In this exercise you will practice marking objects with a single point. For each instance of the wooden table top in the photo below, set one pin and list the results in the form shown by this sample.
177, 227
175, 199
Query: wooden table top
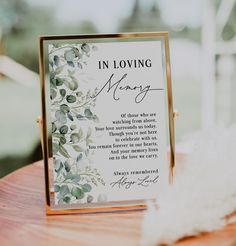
23, 220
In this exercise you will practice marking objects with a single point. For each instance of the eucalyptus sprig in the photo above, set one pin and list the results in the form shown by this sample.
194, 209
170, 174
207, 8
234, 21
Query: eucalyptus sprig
70, 105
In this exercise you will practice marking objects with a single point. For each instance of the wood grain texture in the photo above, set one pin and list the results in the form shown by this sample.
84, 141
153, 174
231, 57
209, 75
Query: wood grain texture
23, 220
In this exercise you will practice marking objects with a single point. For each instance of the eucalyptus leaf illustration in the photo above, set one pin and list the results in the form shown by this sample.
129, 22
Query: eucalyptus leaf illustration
89, 199
80, 133
64, 108
78, 148
70, 99
60, 116
73, 84
79, 93
56, 188
71, 63
77, 192
64, 190
55, 45
76, 179
63, 129
54, 127
79, 65
66, 199
79, 117
88, 141
53, 83
85, 47
69, 55
55, 148
94, 48
53, 94
63, 151
75, 137
67, 166
58, 165
59, 81
77, 53
73, 127
51, 64
86, 188
95, 118
89, 132
58, 70
62, 140
69, 175
79, 158
60, 200
57, 135
70, 72
56, 60
70, 117
62, 92
88, 113
87, 150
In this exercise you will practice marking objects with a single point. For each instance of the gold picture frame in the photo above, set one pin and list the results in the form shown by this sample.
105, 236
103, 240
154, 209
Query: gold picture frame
51, 209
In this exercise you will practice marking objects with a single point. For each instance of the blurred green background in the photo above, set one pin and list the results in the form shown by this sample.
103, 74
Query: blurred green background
22, 21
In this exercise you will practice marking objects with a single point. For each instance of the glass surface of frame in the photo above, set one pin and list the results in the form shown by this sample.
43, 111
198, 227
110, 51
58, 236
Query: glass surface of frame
107, 120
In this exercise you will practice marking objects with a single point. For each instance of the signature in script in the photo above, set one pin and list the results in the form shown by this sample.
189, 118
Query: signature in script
124, 182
